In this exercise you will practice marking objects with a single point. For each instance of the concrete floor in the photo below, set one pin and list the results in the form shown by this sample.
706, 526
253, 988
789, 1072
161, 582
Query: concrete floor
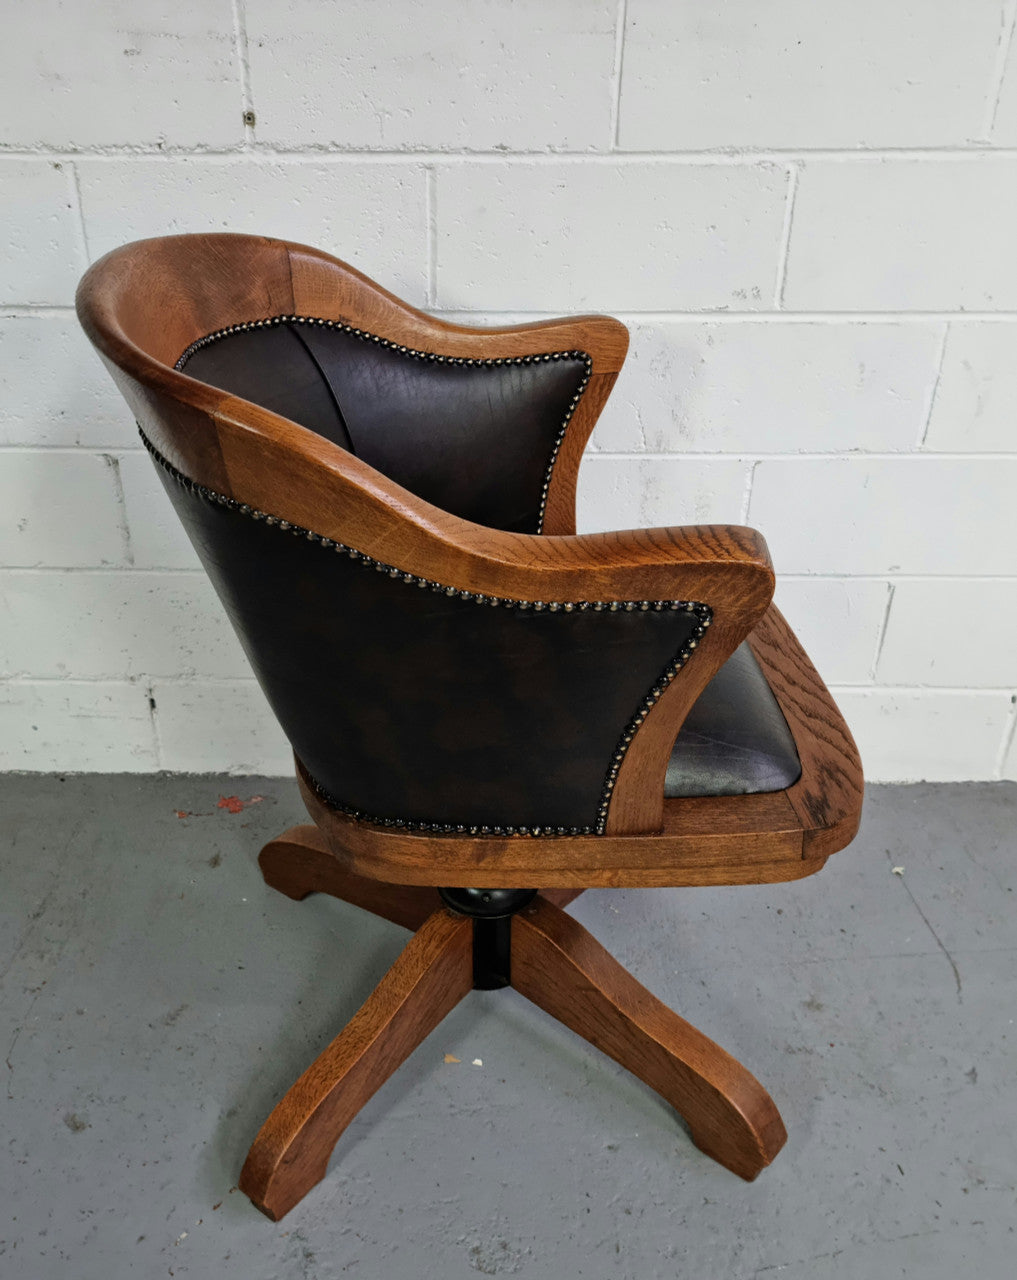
157, 999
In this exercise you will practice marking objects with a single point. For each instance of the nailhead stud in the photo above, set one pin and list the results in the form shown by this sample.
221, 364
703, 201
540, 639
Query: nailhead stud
700, 612
430, 357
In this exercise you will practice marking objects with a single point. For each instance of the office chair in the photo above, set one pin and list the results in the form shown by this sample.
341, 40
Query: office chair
489, 713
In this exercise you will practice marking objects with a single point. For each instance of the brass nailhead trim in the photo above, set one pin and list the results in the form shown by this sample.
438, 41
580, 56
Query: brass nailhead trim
701, 612
432, 357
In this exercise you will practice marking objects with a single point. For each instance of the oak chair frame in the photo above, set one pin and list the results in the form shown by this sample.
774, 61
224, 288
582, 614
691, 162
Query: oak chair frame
135, 313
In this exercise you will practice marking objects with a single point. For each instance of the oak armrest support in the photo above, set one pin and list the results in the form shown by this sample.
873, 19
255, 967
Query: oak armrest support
264, 461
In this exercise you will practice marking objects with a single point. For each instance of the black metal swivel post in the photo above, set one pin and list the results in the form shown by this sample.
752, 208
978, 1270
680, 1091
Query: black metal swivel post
491, 911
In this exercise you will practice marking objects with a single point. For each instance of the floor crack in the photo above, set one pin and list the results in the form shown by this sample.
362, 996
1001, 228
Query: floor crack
939, 940
10, 1065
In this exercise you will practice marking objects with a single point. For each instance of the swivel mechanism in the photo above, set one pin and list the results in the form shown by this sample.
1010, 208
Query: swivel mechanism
488, 938
491, 911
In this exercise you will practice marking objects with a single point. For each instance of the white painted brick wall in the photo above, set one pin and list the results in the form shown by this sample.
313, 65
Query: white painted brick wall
985, 648
306, 201
99, 625
944, 735
238, 732
689, 386
977, 390
872, 73
483, 76
40, 230
840, 622
76, 725
78, 75
893, 234
53, 391
60, 507
803, 211
156, 536
637, 236
639, 493
888, 515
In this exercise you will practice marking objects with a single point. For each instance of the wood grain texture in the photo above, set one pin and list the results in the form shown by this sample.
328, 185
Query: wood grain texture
715, 840
430, 977
144, 304
299, 862
560, 510
562, 968
756, 839
828, 796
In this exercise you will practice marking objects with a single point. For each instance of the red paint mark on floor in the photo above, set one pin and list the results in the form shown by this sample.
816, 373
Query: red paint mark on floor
235, 805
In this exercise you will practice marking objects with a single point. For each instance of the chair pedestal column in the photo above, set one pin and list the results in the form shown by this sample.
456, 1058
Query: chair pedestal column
527, 940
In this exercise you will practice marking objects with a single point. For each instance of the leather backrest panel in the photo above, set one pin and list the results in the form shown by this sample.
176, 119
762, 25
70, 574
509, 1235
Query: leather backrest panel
406, 702
271, 367
475, 438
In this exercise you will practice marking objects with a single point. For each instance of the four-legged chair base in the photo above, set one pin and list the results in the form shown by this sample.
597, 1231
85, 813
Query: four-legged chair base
554, 962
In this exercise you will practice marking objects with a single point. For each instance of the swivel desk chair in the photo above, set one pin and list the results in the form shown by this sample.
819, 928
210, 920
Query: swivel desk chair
489, 713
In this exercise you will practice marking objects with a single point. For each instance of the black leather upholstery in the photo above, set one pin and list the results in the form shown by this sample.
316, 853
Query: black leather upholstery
735, 740
408, 703
474, 439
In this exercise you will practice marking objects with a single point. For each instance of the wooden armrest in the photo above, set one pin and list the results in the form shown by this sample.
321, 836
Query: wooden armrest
135, 316
271, 464
320, 487
264, 461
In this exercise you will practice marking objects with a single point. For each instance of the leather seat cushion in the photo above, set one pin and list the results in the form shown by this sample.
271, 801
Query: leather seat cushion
735, 740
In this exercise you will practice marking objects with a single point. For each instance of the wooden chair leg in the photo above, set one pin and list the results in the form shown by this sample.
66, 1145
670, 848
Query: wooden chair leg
561, 897
300, 862
562, 968
290, 1154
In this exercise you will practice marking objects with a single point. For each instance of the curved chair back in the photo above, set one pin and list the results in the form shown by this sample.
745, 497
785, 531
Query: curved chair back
365, 486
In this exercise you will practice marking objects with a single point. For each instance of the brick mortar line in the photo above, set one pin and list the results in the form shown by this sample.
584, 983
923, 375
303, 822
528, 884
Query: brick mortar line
995, 90
239, 14
143, 680
750, 478
96, 570
819, 316
112, 460
617, 69
153, 722
1009, 736
431, 220
78, 210
934, 390
784, 250
24, 310
884, 626
311, 153
908, 455
688, 455
196, 571
932, 690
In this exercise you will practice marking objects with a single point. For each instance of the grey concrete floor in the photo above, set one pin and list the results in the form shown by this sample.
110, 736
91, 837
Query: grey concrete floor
157, 999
